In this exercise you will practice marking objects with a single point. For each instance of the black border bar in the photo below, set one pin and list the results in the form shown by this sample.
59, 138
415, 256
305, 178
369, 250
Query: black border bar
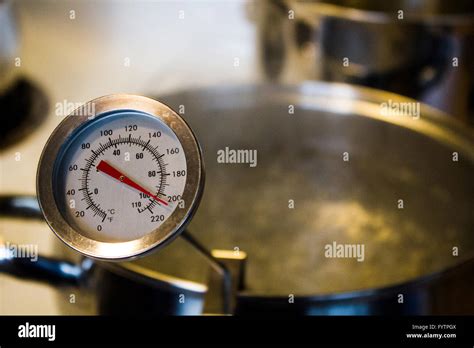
347, 330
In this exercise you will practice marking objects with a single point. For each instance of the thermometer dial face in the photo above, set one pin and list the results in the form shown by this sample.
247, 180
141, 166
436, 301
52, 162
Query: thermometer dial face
120, 181
121, 177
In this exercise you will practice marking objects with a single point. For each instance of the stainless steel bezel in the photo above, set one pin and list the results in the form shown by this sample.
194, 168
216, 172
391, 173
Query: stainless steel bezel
166, 232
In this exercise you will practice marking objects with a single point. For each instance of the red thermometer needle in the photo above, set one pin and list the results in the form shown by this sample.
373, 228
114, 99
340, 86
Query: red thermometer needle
106, 168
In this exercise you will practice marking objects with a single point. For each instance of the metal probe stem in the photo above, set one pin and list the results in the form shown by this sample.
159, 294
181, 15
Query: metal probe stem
218, 266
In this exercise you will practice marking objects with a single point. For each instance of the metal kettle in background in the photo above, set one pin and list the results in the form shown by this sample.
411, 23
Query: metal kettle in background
421, 49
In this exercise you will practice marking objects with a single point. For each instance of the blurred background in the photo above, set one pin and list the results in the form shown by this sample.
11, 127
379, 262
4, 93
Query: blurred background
55, 55
72, 52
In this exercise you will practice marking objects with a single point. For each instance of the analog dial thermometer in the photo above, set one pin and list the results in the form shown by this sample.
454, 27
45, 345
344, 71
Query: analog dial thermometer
120, 176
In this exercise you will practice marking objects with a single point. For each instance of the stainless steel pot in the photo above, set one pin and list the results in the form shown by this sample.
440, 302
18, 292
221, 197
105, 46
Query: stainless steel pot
334, 164
422, 49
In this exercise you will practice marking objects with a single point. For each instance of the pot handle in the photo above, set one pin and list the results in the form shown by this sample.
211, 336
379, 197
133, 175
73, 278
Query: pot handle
20, 206
35, 267
40, 268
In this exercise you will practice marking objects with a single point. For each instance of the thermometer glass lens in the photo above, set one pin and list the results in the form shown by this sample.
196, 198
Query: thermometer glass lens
120, 176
